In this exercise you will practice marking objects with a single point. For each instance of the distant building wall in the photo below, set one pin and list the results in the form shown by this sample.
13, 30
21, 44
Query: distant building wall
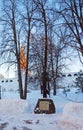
9, 84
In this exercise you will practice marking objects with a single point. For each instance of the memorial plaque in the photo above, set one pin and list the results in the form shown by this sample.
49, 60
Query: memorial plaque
45, 106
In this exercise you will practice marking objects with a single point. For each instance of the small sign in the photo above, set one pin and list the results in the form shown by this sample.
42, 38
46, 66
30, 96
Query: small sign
45, 106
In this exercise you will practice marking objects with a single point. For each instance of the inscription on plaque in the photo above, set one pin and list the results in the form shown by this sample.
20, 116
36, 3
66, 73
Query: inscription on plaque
44, 105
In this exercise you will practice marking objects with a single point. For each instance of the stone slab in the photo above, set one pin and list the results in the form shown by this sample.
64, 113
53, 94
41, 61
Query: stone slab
44, 106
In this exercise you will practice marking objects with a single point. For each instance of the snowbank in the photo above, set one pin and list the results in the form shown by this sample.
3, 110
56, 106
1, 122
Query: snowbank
12, 106
73, 114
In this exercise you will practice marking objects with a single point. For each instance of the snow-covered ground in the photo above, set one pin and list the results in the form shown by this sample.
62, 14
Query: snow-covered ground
17, 114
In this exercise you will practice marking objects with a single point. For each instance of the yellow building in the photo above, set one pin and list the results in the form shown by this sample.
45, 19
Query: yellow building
22, 58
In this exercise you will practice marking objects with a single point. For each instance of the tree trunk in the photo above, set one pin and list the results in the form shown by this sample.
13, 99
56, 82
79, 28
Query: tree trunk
82, 89
54, 92
45, 53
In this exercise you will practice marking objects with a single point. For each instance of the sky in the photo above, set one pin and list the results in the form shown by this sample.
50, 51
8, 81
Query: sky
74, 66
7, 74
